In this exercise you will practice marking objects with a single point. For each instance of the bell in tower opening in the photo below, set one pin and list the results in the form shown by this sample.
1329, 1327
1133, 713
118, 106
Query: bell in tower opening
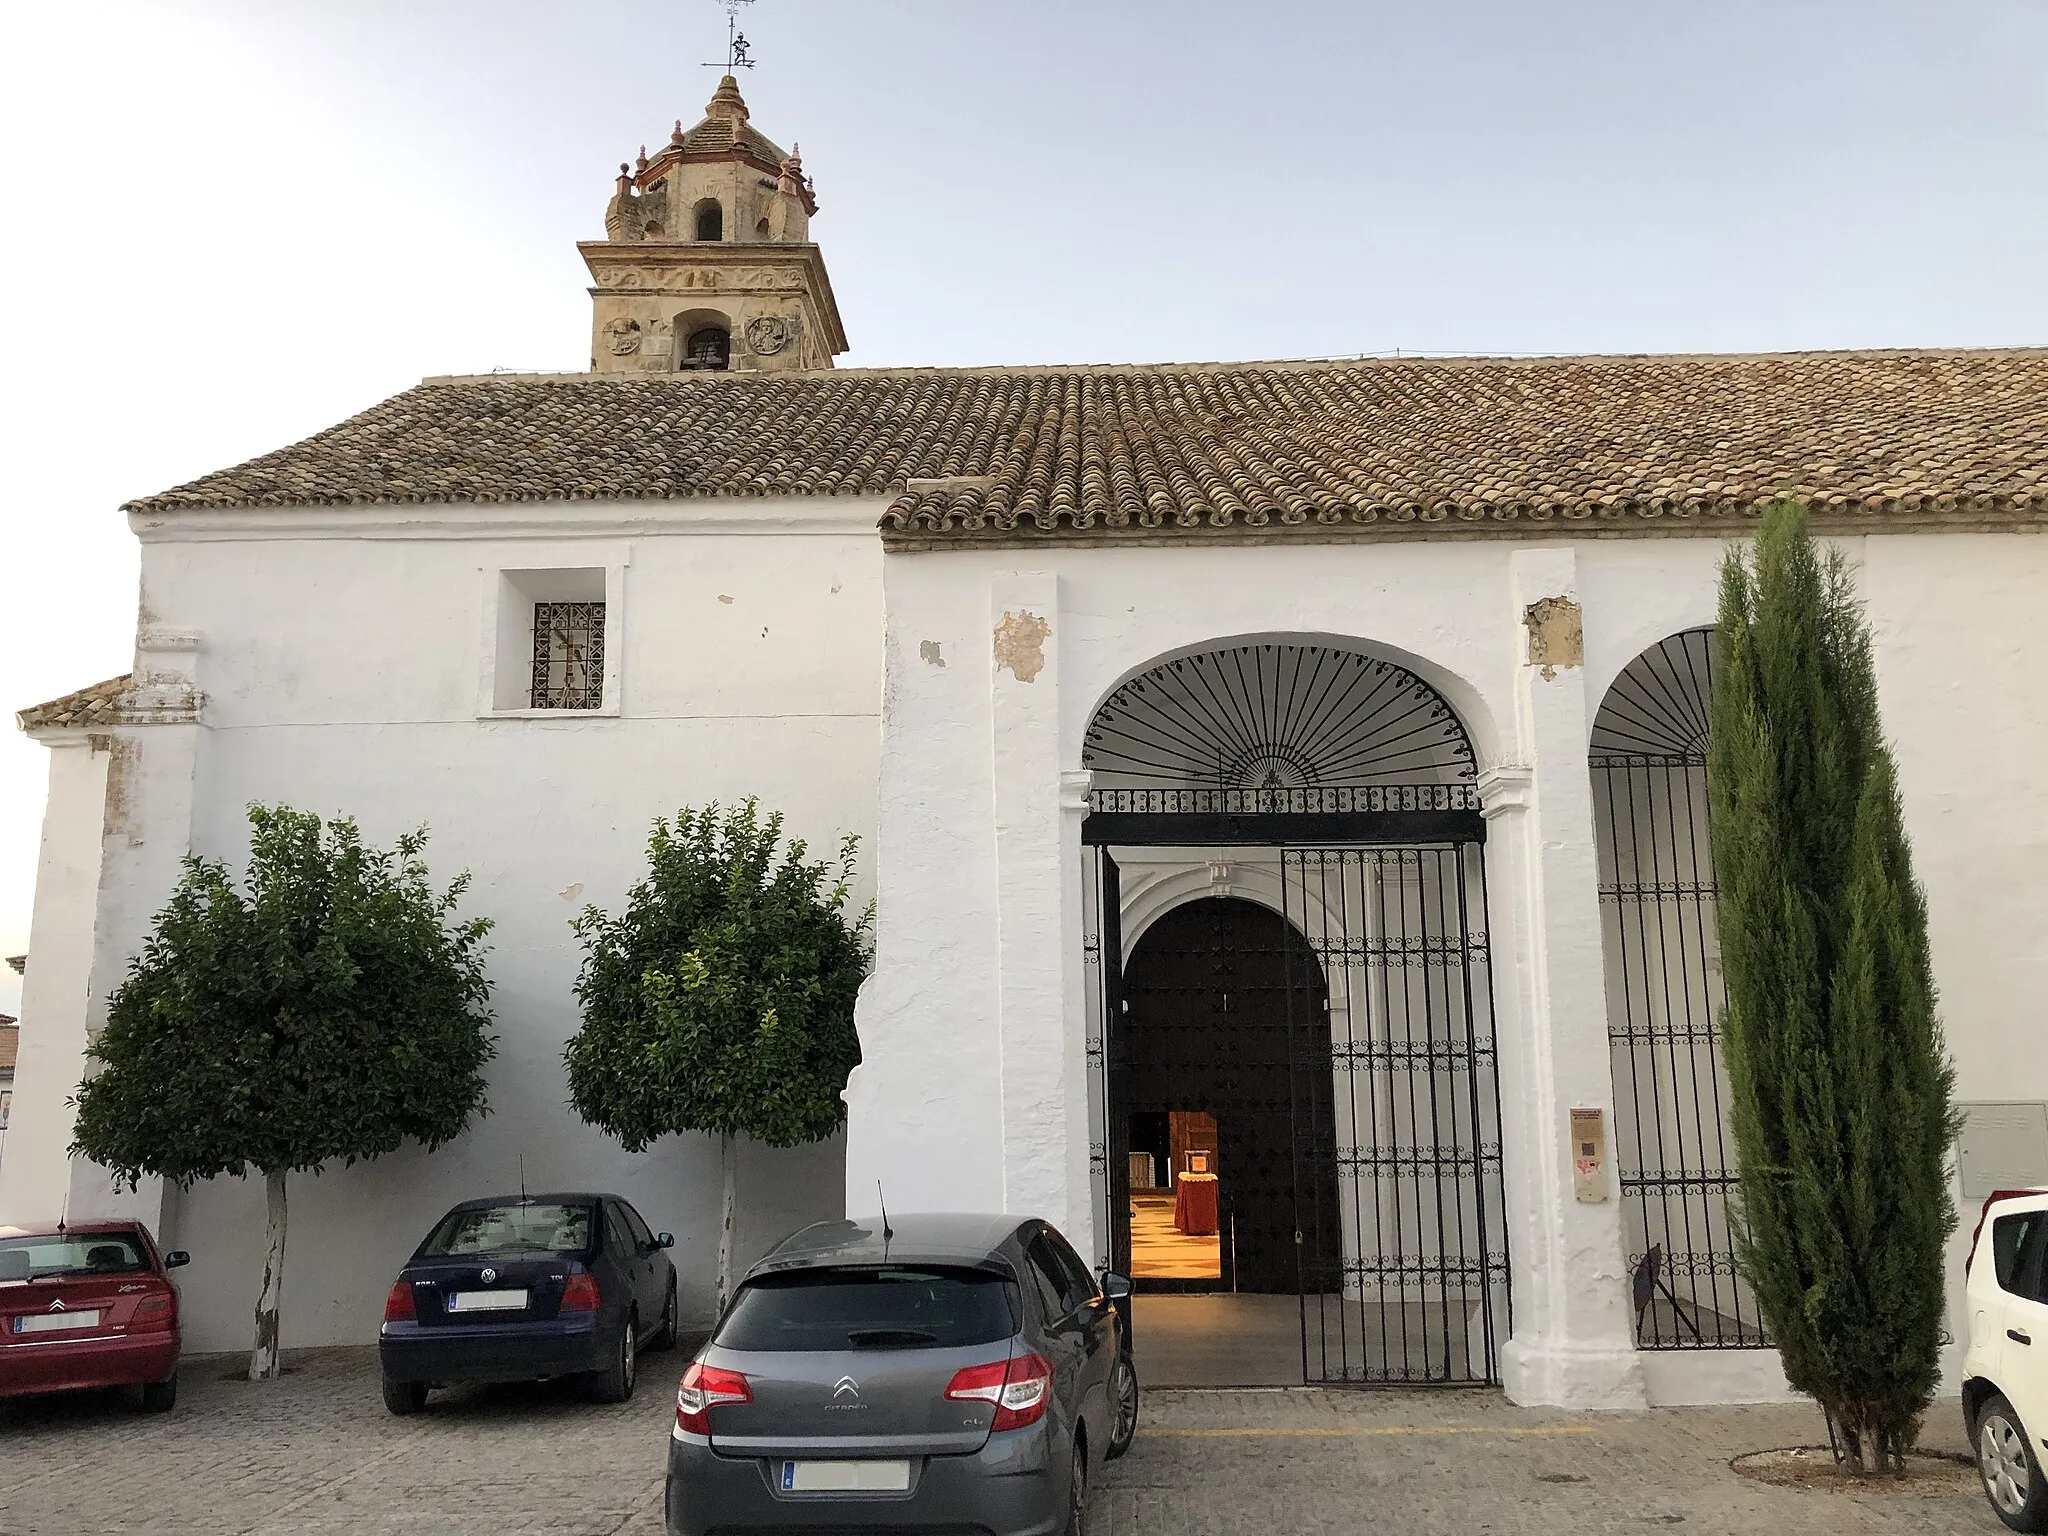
707, 263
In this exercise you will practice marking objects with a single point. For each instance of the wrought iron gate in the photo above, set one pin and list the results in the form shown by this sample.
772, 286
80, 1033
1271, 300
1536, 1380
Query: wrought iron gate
1673, 1150
1387, 1105
1404, 1268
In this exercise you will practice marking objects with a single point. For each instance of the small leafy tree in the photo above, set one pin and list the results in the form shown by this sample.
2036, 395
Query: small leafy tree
331, 1011
1841, 1104
721, 1000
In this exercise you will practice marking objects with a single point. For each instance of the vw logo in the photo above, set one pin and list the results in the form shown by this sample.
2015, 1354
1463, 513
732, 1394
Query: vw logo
490, 1276
845, 1386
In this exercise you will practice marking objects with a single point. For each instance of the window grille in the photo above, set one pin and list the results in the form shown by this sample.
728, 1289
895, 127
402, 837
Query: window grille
568, 656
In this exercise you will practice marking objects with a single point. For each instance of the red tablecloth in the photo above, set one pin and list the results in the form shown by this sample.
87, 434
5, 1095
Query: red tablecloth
1194, 1204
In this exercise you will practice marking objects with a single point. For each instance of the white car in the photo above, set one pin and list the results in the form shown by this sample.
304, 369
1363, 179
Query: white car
2005, 1371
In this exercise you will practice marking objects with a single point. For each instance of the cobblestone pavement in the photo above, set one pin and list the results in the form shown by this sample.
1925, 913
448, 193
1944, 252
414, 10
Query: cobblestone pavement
318, 1453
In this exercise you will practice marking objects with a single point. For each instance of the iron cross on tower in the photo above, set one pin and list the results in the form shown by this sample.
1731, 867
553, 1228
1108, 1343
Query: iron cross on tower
736, 44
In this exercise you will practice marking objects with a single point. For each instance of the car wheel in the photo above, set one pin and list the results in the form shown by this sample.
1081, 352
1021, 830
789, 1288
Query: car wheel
159, 1396
404, 1396
1077, 1488
2010, 1471
1123, 1398
615, 1383
665, 1335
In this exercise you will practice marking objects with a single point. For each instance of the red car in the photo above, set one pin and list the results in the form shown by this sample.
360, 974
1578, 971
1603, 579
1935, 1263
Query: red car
88, 1305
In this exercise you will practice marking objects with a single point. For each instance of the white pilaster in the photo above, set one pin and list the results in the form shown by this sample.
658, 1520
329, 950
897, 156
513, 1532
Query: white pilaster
147, 835
35, 1171
1572, 1344
1038, 922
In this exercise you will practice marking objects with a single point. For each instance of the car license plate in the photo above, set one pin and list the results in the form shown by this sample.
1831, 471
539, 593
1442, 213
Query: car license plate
845, 1476
487, 1301
51, 1322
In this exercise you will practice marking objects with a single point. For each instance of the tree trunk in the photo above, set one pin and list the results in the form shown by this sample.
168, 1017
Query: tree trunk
263, 1360
729, 1166
1865, 1445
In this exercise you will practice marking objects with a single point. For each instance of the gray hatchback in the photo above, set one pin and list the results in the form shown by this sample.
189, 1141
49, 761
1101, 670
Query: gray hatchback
963, 1374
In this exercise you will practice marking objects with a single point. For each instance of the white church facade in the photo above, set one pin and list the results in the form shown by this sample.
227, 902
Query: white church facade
1289, 770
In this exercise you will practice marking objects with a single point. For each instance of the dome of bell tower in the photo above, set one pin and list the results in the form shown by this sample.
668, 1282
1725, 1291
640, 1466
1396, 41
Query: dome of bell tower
720, 209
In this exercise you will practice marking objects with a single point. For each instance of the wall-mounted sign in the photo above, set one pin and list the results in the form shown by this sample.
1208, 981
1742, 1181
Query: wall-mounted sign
1589, 1155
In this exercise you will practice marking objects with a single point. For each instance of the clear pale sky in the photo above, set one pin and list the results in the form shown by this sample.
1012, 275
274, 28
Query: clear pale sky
229, 223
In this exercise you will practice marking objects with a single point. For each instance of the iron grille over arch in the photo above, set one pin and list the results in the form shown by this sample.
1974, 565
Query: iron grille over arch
1281, 730
1673, 1150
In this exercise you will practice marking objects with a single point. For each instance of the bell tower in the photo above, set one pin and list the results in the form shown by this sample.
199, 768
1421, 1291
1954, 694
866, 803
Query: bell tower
707, 261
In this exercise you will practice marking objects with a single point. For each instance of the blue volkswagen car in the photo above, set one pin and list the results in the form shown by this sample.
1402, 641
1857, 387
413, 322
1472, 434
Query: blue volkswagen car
529, 1288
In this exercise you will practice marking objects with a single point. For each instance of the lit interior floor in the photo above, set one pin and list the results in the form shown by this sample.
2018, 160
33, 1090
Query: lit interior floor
1159, 1252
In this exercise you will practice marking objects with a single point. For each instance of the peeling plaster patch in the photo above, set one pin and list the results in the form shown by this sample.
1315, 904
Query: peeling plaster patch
836, 585
1020, 645
1557, 637
121, 764
724, 599
574, 893
928, 653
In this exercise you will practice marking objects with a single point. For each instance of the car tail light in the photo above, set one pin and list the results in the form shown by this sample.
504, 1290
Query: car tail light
156, 1306
580, 1294
704, 1388
398, 1307
1019, 1387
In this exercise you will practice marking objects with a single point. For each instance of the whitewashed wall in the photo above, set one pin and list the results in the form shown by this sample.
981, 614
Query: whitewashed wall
974, 1089
340, 656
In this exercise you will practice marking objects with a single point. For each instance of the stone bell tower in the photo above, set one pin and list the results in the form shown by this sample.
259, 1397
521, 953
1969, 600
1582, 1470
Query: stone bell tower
707, 261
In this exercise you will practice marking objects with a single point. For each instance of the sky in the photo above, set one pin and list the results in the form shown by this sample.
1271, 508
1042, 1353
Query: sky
228, 224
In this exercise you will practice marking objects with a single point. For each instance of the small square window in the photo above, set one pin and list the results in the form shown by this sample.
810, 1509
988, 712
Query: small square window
568, 656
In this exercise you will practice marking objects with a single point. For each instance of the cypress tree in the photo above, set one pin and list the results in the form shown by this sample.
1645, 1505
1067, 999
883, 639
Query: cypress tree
1842, 1091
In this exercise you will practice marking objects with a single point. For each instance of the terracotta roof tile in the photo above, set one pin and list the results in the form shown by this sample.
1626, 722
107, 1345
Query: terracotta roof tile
1507, 446
97, 705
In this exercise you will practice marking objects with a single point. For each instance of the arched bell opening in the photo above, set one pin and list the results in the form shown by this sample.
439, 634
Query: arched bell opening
1660, 940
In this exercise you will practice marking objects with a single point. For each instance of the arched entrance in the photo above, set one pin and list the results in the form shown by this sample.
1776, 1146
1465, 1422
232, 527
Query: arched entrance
1335, 788
1674, 1154
1225, 1008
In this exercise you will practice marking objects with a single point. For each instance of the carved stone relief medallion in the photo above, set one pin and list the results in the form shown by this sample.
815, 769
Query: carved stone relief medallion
767, 334
624, 335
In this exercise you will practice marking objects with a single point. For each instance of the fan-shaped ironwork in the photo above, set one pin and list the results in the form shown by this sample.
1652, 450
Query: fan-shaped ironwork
1659, 707
1296, 723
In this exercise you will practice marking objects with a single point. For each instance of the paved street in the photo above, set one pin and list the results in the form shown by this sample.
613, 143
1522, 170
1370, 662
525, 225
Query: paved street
317, 1453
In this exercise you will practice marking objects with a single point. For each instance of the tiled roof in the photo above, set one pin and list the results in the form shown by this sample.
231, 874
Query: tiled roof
1173, 452
97, 705
10, 1043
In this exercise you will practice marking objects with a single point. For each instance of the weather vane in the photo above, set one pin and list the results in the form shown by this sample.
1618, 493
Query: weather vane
736, 44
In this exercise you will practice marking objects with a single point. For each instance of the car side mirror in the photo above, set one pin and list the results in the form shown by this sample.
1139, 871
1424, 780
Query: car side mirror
664, 1239
176, 1258
1116, 1287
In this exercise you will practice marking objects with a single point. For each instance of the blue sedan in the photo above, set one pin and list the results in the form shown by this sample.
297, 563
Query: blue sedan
518, 1288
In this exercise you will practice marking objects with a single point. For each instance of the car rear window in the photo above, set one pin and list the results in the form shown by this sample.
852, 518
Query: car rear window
2009, 1236
72, 1253
837, 1309
540, 1227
